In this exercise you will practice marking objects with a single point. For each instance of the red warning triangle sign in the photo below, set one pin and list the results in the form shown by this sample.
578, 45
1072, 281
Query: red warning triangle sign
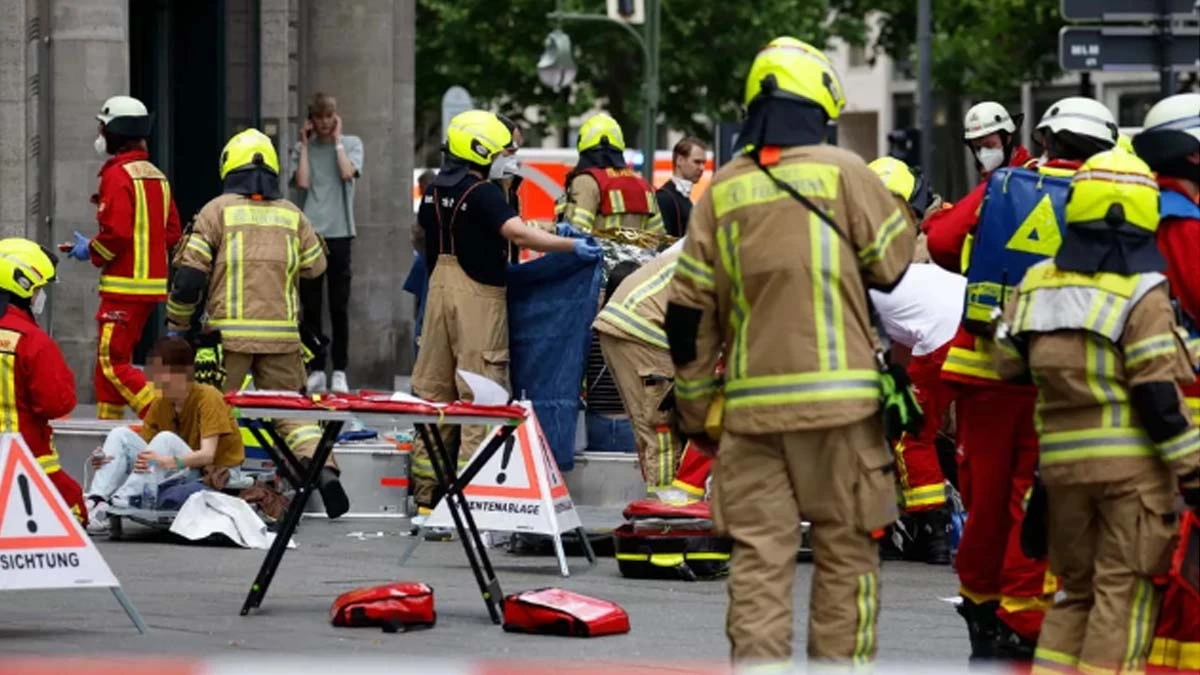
32, 515
519, 488
516, 476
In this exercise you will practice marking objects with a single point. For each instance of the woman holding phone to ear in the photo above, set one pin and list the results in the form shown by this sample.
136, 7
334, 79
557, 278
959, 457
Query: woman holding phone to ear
325, 165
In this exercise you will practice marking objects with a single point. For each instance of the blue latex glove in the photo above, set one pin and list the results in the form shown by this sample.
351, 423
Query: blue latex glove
563, 229
587, 249
174, 333
80, 252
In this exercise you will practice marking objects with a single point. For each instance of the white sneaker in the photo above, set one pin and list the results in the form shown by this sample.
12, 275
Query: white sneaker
338, 384
673, 496
97, 516
316, 381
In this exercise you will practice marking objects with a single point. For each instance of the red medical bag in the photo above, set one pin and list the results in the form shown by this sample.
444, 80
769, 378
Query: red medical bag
670, 542
393, 607
553, 611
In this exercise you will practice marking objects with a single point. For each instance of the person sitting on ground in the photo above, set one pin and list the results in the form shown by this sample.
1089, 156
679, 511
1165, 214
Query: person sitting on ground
188, 430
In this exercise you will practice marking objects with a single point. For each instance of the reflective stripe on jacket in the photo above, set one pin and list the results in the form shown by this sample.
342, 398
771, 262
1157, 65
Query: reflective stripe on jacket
638, 307
1091, 339
254, 254
783, 296
36, 385
591, 205
139, 225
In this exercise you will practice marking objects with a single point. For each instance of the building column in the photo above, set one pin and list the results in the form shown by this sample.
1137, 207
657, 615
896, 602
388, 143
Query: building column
88, 62
362, 53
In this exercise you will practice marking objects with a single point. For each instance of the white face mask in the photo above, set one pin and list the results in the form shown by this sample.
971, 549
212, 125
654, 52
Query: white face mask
39, 302
503, 166
101, 146
990, 158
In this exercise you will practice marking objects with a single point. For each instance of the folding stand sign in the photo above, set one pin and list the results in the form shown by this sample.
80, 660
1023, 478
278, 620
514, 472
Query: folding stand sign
42, 545
443, 466
519, 490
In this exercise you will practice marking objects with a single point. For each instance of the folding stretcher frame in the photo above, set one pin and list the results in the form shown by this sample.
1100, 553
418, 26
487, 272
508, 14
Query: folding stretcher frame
332, 416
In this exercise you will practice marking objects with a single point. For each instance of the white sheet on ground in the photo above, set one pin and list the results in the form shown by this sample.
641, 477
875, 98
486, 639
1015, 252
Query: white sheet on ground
206, 513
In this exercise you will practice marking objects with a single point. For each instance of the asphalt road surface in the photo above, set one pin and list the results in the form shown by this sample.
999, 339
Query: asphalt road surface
190, 597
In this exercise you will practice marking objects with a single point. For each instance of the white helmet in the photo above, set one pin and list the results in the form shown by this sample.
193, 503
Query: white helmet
126, 116
985, 119
1170, 133
1082, 117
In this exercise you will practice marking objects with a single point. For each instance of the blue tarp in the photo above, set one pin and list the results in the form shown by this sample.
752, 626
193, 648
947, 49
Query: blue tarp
551, 305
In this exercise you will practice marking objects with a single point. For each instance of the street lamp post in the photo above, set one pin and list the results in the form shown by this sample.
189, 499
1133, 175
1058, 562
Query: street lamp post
648, 43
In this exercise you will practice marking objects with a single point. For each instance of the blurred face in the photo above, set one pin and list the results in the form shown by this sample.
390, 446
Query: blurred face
173, 381
325, 121
691, 167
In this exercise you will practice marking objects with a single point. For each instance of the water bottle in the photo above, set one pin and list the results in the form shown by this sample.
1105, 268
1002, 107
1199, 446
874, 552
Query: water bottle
150, 489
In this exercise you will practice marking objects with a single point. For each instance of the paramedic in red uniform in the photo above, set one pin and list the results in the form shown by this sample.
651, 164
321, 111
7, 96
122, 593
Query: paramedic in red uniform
138, 227
991, 135
1004, 593
1170, 144
36, 385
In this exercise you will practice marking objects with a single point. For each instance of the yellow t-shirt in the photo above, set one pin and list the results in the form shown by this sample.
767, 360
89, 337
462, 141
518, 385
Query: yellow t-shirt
204, 414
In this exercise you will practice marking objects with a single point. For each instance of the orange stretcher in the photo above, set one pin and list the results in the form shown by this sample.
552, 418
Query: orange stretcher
332, 412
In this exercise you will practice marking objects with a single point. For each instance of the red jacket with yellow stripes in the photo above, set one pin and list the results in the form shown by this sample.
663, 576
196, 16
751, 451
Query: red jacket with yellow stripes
138, 227
36, 385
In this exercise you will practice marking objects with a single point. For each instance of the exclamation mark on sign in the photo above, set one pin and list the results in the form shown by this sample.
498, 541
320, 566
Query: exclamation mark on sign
508, 448
23, 484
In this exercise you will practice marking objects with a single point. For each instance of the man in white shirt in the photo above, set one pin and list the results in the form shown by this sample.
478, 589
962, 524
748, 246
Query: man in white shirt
921, 316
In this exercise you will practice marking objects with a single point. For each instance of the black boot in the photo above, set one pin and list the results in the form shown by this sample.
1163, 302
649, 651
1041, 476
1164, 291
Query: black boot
935, 531
889, 549
1011, 645
981, 628
333, 495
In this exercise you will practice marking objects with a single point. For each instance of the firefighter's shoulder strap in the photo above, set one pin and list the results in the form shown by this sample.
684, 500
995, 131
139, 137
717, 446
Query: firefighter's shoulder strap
808, 204
446, 233
901, 411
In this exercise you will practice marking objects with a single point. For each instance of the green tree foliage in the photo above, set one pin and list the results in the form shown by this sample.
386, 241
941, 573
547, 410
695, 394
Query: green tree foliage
706, 49
981, 48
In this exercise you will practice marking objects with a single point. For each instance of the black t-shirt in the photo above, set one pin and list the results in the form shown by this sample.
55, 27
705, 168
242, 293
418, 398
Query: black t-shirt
675, 208
475, 221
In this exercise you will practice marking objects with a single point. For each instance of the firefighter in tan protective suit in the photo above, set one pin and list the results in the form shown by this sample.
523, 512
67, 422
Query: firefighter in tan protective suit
1095, 328
634, 343
765, 279
468, 226
247, 250
602, 192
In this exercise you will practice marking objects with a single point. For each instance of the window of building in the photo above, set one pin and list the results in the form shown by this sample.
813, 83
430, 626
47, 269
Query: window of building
1132, 108
858, 56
